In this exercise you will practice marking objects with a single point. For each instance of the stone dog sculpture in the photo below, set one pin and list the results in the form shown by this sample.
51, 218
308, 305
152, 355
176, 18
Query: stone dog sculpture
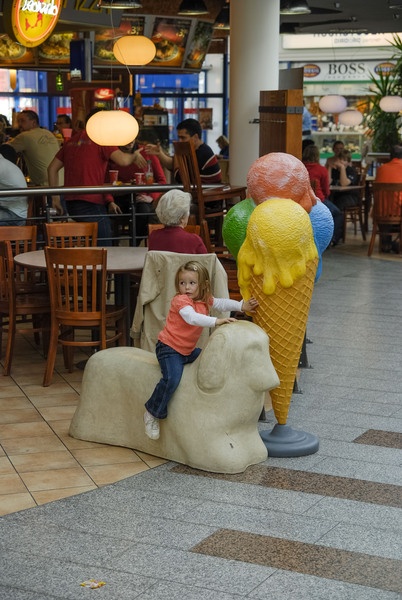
213, 415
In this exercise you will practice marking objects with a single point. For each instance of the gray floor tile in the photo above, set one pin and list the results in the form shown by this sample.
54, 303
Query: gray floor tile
174, 591
368, 540
283, 585
359, 470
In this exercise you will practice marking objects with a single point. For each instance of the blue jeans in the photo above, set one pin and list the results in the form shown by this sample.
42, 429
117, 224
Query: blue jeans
80, 210
172, 364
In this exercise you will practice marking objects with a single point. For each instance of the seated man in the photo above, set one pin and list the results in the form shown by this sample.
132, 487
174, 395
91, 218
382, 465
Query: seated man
337, 147
341, 173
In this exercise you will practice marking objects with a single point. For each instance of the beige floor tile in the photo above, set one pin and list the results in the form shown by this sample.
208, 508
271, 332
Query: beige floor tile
75, 444
43, 461
57, 413
15, 502
6, 467
54, 479
65, 399
52, 495
11, 484
6, 381
16, 430
11, 391
35, 378
14, 402
102, 475
105, 456
20, 415
150, 460
52, 390
2, 453
25, 445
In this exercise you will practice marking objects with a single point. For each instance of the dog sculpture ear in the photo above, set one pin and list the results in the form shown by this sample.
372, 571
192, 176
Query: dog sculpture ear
214, 362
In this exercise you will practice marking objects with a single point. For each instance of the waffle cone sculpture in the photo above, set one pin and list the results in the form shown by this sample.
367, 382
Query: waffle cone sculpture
277, 265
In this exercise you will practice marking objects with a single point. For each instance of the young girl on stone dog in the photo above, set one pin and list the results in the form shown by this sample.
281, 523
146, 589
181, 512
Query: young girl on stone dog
176, 346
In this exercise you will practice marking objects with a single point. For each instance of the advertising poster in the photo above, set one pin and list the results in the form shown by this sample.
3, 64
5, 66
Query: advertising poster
199, 45
170, 38
205, 118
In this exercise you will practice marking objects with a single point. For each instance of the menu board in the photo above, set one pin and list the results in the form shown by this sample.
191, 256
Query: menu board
170, 38
14, 53
199, 45
56, 49
106, 38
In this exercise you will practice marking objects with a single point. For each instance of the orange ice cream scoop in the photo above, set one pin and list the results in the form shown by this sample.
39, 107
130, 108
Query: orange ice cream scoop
280, 175
277, 265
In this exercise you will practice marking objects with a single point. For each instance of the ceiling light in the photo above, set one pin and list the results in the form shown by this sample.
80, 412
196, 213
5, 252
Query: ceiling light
134, 50
119, 4
332, 103
112, 128
350, 117
192, 7
391, 104
223, 19
294, 7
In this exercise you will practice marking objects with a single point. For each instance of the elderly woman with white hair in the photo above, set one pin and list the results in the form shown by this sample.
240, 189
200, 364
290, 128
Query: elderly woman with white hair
173, 211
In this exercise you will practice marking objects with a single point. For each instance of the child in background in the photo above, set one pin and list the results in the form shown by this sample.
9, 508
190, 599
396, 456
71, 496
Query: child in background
176, 346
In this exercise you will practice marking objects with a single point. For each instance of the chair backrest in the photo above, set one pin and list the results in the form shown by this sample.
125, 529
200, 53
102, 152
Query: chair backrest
387, 202
186, 162
7, 279
22, 239
157, 289
77, 284
71, 234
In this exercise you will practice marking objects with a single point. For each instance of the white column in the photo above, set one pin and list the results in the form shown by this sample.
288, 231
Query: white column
254, 66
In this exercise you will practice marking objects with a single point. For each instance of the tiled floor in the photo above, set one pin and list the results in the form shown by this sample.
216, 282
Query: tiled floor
327, 526
39, 461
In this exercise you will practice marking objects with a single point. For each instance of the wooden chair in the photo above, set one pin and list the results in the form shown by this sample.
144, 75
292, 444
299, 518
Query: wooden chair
387, 212
355, 214
77, 284
71, 235
23, 239
187, 164
17, 308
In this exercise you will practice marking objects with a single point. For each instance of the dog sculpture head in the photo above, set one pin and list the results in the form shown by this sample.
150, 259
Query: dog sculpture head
236, 357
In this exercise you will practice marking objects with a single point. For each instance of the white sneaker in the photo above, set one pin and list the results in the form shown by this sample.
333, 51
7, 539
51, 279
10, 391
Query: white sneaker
151, 426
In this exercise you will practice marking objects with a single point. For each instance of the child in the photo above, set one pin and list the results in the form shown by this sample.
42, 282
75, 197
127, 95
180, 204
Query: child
176, 346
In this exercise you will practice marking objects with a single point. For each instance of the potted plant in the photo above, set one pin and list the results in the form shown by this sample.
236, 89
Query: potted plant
383, 127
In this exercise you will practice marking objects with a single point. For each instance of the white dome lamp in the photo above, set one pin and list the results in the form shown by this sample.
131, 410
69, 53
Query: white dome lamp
332, 103
351, 117
112, 128
134, 50
391, 104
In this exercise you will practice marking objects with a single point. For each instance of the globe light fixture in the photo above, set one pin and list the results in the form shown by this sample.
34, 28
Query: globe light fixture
112, 128
332, 103
350, 117
192, 8
134, 50
391, 104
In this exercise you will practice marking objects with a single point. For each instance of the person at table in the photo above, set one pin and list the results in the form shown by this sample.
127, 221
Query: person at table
37, 145
173, 211
320, 183
341, 173
13, 209
85, 164
391, 172
337, 147
208, 164
145, 202
223, 144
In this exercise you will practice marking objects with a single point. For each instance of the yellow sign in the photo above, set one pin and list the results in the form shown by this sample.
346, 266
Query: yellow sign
30, 22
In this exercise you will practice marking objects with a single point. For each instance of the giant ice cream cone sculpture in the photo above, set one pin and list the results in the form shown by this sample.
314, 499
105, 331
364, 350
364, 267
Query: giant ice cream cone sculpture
277, 264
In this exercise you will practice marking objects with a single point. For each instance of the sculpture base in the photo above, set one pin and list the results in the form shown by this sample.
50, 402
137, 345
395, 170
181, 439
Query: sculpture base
283, 442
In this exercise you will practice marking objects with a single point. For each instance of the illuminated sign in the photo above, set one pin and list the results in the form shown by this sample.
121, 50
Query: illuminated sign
30, 22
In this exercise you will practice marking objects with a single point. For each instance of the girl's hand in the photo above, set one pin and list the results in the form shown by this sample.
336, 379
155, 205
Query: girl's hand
250, 305
222, 321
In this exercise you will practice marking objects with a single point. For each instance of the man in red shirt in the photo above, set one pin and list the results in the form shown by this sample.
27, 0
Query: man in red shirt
391, 172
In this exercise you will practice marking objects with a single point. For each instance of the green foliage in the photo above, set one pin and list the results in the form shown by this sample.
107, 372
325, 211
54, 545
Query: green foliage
383, 126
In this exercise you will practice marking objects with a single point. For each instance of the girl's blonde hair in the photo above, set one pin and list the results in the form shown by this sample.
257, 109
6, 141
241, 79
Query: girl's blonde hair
204, 284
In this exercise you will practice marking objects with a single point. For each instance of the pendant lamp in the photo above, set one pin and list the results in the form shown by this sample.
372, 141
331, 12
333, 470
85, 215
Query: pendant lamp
222, 21
192, 8
332, 103
112, 128
351, 117
391, 104
134, 50
119, 4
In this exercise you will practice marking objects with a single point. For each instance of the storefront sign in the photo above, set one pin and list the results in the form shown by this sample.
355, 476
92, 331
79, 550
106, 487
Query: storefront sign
336, 40
30, 22
343, 71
